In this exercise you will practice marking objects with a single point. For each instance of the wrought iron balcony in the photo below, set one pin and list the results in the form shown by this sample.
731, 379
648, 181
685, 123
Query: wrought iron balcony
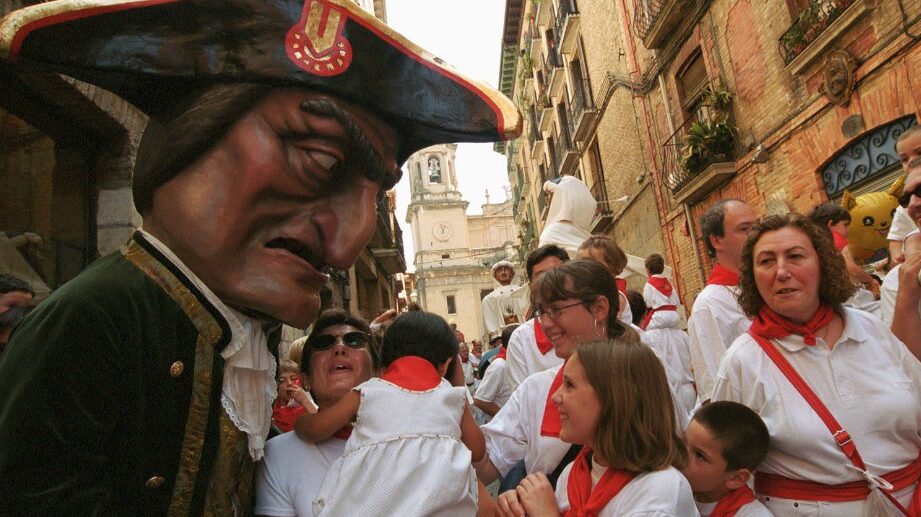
655, 20
690, 153
387, 242
582, 113
603, 214
567, 19
807, 27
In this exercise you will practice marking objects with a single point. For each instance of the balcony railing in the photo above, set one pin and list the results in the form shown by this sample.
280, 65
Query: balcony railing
654, 20
567, 21
809, 25
582, 113
679, 169
603, 214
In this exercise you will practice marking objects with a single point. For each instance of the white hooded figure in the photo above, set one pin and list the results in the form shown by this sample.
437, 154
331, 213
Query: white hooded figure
501, 307
569, 219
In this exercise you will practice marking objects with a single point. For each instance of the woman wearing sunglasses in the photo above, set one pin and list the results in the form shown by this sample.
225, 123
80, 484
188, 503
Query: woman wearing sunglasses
338, 355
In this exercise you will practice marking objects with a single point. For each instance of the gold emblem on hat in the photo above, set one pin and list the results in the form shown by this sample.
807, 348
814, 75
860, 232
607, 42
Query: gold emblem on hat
316, 44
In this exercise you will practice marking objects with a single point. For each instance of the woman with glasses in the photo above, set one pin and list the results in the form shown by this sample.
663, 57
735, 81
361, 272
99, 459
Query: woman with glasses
836, 389
577, 302
338, 355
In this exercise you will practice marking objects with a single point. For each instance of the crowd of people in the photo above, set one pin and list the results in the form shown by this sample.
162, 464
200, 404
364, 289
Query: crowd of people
794, 389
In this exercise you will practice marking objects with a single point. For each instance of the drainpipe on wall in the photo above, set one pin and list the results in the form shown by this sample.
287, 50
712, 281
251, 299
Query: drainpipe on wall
687, 209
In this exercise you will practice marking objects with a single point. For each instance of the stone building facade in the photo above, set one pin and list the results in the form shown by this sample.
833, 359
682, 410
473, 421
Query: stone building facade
67, 153
453, 251
813, 92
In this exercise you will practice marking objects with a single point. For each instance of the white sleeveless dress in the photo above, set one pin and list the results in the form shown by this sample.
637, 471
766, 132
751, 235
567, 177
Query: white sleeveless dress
404, 457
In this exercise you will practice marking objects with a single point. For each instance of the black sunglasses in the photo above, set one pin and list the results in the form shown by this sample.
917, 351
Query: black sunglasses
905, 198
349, 339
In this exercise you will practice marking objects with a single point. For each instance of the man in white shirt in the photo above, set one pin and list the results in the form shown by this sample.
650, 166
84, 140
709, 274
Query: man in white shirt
529, 351
493, 391
908, 147
499, 307
716, 319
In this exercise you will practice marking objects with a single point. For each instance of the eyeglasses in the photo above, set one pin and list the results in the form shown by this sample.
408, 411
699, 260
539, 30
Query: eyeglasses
554, 312
349, 339
905, 198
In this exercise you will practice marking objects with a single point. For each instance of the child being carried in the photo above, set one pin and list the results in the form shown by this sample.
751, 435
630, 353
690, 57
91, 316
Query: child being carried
414, 437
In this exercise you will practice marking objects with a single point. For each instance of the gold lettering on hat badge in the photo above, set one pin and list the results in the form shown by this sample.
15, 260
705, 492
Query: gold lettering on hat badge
315, 43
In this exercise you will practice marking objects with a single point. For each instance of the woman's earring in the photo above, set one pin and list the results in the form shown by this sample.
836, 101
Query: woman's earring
597, 330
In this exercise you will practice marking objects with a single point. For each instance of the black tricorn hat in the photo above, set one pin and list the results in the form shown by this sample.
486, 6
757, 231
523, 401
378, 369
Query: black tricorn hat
155, 52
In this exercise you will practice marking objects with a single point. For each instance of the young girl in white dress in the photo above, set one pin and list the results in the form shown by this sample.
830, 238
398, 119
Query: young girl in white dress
413, 437
615, 401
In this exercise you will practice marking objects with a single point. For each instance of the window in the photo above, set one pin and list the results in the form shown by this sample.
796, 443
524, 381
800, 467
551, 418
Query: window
445, 255
452, 304
434, 170
484, 292
692, 79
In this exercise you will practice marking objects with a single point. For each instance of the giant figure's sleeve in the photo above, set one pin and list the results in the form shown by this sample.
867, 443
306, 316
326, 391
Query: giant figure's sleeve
61, 389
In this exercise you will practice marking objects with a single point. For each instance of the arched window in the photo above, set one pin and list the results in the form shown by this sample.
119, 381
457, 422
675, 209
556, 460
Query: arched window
868, 162
434, 170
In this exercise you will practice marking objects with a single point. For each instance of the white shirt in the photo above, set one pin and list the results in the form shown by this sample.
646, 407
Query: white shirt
887, 293
869, 382
289, 478
752, 509
514, 433
499, 304
654, 298
524, 358
716, 321
653, 494
902, 225
493, 387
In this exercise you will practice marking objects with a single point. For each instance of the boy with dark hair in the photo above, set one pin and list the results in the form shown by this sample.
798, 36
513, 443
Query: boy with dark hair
655, 264
726, 442
838, 221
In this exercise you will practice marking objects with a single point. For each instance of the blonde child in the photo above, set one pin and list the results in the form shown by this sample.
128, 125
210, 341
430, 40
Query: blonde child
414, 438
615, 401
292, 400
726, 443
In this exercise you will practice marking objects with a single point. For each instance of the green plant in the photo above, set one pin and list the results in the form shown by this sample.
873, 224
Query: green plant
718, 97
706, 143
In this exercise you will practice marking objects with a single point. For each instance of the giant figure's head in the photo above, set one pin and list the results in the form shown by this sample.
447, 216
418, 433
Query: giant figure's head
275, 126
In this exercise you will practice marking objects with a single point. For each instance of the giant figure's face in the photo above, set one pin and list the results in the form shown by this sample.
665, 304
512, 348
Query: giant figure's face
280, 197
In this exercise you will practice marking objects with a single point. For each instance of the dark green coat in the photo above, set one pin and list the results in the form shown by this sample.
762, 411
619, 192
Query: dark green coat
110, 398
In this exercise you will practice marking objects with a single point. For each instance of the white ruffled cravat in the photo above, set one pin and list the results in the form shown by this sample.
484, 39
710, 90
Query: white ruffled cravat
249, 386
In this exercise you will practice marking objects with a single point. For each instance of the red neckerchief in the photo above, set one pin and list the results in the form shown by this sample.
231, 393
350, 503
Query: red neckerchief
733, 501
543, 343
661, 284
344, 432
771, 325
621, 285
502, 353
583, 500
722, 276
412, 373
551, 424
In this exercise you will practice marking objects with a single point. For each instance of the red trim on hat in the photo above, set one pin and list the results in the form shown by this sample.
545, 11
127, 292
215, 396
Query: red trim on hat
25, 30
402, 48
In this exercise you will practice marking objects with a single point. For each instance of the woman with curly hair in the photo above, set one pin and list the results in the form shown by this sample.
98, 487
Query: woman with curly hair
837, 390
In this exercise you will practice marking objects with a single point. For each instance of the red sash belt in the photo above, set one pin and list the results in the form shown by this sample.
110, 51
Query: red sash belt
648, 316
773, 485
812, 491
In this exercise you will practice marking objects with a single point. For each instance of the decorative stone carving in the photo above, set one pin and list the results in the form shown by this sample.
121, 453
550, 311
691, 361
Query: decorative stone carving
838, 77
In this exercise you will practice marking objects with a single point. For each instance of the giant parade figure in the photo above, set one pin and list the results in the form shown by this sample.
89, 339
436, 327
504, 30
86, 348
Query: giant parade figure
145, 384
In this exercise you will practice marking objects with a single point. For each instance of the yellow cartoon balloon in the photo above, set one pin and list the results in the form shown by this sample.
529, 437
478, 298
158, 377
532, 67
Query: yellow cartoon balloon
871, 218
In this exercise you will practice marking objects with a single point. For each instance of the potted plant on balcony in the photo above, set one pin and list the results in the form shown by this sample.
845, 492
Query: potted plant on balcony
710, 141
